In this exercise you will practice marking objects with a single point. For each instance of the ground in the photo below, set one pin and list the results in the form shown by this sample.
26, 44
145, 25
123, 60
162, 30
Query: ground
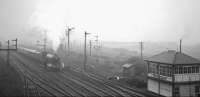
68, 82
10, 81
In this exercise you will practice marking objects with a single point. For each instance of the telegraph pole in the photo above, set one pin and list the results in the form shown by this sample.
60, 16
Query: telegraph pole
68, 35
44, 45
97, 38
141, 50
8, 53
85, 51
68, 41
97, 48
90, 47
45, 42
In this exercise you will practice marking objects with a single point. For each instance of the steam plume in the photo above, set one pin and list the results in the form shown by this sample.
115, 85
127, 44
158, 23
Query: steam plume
50, 16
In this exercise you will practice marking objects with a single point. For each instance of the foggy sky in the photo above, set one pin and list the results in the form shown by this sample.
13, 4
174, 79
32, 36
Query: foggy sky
113, 20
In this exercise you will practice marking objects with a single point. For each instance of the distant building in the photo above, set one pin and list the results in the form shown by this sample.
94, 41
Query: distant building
128, 70
172, 73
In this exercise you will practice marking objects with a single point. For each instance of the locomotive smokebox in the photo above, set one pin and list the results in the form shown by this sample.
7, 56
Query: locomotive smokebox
53, 62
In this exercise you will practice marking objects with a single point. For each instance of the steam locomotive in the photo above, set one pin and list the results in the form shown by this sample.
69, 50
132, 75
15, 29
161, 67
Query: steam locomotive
53, 62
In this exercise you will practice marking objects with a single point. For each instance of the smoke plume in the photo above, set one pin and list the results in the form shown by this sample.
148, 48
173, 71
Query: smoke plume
50, 16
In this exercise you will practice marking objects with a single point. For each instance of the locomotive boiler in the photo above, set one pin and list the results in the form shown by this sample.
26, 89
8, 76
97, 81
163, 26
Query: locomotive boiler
53, 62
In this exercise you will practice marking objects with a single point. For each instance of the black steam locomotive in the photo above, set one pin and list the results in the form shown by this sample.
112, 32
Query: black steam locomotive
53, 62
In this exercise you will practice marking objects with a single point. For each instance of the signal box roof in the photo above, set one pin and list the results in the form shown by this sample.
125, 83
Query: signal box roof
173, 57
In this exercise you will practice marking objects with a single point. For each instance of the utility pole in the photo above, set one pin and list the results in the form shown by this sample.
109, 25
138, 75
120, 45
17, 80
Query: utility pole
0, 44
141, 50
44, 44
68, 35
8, 53
90, 47
97, 38
97, 46
85, 51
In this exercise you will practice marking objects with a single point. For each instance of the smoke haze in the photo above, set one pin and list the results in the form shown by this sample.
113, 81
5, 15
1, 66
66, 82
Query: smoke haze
113, 20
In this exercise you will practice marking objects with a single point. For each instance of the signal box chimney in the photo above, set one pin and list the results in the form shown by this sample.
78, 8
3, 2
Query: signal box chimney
180, 45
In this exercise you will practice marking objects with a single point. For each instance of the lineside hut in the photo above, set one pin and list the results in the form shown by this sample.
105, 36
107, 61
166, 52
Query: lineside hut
128, 70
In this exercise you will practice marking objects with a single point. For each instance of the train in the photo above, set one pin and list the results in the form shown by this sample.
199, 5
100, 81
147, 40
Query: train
53, 62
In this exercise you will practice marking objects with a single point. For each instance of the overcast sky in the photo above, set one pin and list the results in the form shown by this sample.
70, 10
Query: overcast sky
113, 20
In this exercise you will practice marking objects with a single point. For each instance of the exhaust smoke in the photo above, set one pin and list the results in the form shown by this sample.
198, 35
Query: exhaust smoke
51, 16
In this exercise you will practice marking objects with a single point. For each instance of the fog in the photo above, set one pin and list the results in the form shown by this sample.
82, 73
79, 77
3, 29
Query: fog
112, 20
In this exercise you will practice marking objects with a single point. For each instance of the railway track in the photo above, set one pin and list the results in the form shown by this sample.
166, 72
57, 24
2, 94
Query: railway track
39, 81
72, 83
95, 89
113, 89
32, 88
83, 88
105, 91
110, 88
78, 88
118, 86
58, 82
127, 91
